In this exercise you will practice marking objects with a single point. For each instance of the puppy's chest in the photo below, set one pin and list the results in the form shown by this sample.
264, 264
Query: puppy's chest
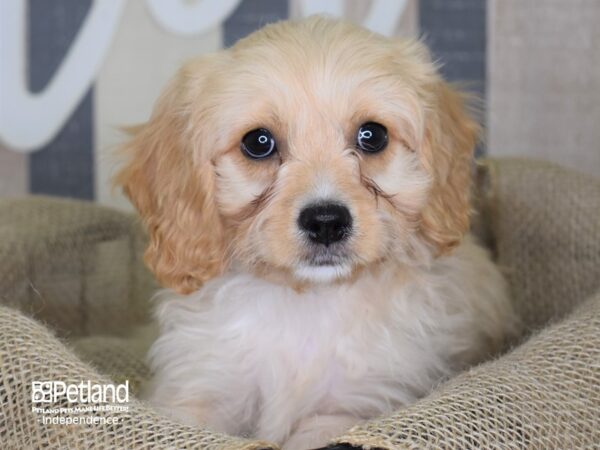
254, 345
308, 334
312, 348
330, 336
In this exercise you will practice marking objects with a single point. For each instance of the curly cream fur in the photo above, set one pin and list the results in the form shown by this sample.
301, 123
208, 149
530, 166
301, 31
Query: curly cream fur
258, 341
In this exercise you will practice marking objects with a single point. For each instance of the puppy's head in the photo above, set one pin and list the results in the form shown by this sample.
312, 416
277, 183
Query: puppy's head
308, 152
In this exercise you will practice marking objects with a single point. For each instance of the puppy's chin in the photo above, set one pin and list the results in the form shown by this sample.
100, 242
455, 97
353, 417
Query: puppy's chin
322, 274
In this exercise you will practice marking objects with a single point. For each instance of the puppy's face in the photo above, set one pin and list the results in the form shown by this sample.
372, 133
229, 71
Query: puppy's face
305, 153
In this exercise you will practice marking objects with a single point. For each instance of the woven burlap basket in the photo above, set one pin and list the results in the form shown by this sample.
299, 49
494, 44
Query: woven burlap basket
75, 307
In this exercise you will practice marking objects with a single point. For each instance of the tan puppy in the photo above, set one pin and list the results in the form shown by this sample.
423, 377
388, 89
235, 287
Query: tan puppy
306, 193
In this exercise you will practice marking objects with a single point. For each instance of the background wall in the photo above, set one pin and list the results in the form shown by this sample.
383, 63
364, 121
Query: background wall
74, 71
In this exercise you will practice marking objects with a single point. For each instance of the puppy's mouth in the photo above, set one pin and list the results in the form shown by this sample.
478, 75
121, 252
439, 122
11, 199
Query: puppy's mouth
324, 265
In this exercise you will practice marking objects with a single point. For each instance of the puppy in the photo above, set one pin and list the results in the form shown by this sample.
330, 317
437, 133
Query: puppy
306, 194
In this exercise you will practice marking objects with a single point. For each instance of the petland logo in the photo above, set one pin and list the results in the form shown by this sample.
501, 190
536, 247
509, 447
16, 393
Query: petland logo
84, 392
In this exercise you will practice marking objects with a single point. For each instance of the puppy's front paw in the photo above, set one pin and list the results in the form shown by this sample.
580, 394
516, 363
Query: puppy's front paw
340, 447
317, 431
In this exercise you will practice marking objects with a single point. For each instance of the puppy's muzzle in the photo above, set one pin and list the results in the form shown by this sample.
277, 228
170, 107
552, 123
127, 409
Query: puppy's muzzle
325, 223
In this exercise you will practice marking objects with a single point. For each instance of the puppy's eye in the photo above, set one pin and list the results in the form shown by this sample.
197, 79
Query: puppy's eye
371, 137
258, 144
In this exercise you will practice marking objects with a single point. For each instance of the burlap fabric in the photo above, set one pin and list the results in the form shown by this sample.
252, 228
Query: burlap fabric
75, 265
30, 352
77, 268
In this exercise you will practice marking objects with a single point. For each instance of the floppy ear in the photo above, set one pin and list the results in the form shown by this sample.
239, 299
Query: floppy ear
174, 195
447, 151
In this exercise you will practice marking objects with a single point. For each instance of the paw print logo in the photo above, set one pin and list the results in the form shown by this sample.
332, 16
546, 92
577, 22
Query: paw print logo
41, 392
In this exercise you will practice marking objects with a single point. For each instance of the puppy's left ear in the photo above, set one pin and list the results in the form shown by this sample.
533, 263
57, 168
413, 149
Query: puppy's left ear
172, 192
447, 153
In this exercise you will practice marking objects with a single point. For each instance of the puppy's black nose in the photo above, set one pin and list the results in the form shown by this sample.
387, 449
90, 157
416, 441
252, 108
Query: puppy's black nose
326, 223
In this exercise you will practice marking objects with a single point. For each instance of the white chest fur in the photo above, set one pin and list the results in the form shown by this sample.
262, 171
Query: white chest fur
246, 356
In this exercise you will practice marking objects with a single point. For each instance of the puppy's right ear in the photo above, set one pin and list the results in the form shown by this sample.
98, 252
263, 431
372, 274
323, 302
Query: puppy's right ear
173, 192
